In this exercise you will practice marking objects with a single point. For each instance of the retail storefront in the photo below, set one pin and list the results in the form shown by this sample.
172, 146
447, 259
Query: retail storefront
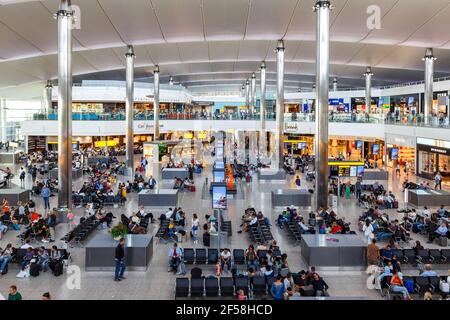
433, 156
401, 149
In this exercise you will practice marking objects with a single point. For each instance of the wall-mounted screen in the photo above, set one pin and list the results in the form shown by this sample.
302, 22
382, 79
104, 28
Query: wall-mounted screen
219, 197
376, 149
218, 176
358, 144
394, 153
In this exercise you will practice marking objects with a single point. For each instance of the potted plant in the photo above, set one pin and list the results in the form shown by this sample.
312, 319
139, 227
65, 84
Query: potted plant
119, 231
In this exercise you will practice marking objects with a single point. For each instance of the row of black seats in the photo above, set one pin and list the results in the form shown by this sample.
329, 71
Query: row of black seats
210, 256
225, 225
223, 287
421, 284
422, 256
294, 230
81, 231
260, 232
79, 199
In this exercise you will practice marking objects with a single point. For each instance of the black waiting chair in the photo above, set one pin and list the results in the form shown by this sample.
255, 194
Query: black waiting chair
410, 256
211, 287
434, 283
200, 256
259, 285
241, 283
422, 284
399, 254
424, 256
239, 256
197, 287
435, 255
445, 255
181, 287
226, 287
188, 256
213, 256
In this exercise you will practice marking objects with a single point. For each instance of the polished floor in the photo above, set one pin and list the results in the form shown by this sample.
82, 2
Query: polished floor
157, 283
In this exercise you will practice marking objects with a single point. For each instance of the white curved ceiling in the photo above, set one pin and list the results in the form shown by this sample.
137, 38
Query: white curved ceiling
203, 43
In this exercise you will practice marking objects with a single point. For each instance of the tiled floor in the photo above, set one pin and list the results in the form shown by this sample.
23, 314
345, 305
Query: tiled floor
157, 283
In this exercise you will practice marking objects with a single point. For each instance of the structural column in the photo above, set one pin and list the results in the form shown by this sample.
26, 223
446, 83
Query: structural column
335, 87
429, 78
368, 76
129, 108
262, 111
279, 108
65, 20
247, 94
3, 120
322, 9
253, 94
48, 97
156, 102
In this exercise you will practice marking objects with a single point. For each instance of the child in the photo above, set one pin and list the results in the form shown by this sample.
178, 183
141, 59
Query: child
241, 295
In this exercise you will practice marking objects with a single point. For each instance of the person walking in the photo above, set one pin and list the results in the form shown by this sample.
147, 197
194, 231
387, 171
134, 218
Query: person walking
51, 221
34, 174
438, 181
298, 183
45, 193
397, 169
120, 263
22, 178
195, 226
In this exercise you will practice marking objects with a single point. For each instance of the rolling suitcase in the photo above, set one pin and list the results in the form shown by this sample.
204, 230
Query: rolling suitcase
58, 269
395, 205
34, 270
442, 241
206, 238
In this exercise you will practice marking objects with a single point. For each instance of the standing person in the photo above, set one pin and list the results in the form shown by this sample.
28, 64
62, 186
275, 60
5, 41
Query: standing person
152, 182
34, 174
438, 181
51, 222
45, 193
120, 263
358, 189
278, 289
407, 167
22, 178
397, 169
195, 226
298, 182
373, 253
14, 295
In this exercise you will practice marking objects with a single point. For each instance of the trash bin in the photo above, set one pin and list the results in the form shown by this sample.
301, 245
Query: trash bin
61, 215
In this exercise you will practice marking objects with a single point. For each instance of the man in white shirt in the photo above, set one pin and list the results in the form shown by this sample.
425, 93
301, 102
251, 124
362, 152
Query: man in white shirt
254, 220
225, 259
426, 213
169, 214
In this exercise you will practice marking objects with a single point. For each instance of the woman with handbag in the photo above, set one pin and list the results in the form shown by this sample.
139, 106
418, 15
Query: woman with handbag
194, 229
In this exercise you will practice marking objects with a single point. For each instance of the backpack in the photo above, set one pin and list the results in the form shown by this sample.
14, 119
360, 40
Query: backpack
409, 285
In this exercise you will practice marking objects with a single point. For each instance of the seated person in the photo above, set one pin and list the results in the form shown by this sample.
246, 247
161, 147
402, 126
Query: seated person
442, 231
175, 256
27, 258
225, 259
5, 257
320, 287
335, 228
428, 272
398, 286
43, 259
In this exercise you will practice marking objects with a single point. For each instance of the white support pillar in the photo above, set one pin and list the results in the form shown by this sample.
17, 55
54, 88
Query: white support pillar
65, 20
156, 103
322, 9
129, 109
280, 103
368, 74
262, 112
429, 59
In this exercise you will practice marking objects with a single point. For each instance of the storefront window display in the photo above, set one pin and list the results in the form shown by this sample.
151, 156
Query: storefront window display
433, 156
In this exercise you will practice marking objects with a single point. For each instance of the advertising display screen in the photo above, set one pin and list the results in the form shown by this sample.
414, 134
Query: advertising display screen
360, 171
410, 101
219, 152
344, 171
219, 165
219, 176
394, 153
219, 197
358, 144
301, 145
376, 149
353, 171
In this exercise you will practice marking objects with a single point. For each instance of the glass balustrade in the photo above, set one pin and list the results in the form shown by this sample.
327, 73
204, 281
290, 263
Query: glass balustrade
419, 120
